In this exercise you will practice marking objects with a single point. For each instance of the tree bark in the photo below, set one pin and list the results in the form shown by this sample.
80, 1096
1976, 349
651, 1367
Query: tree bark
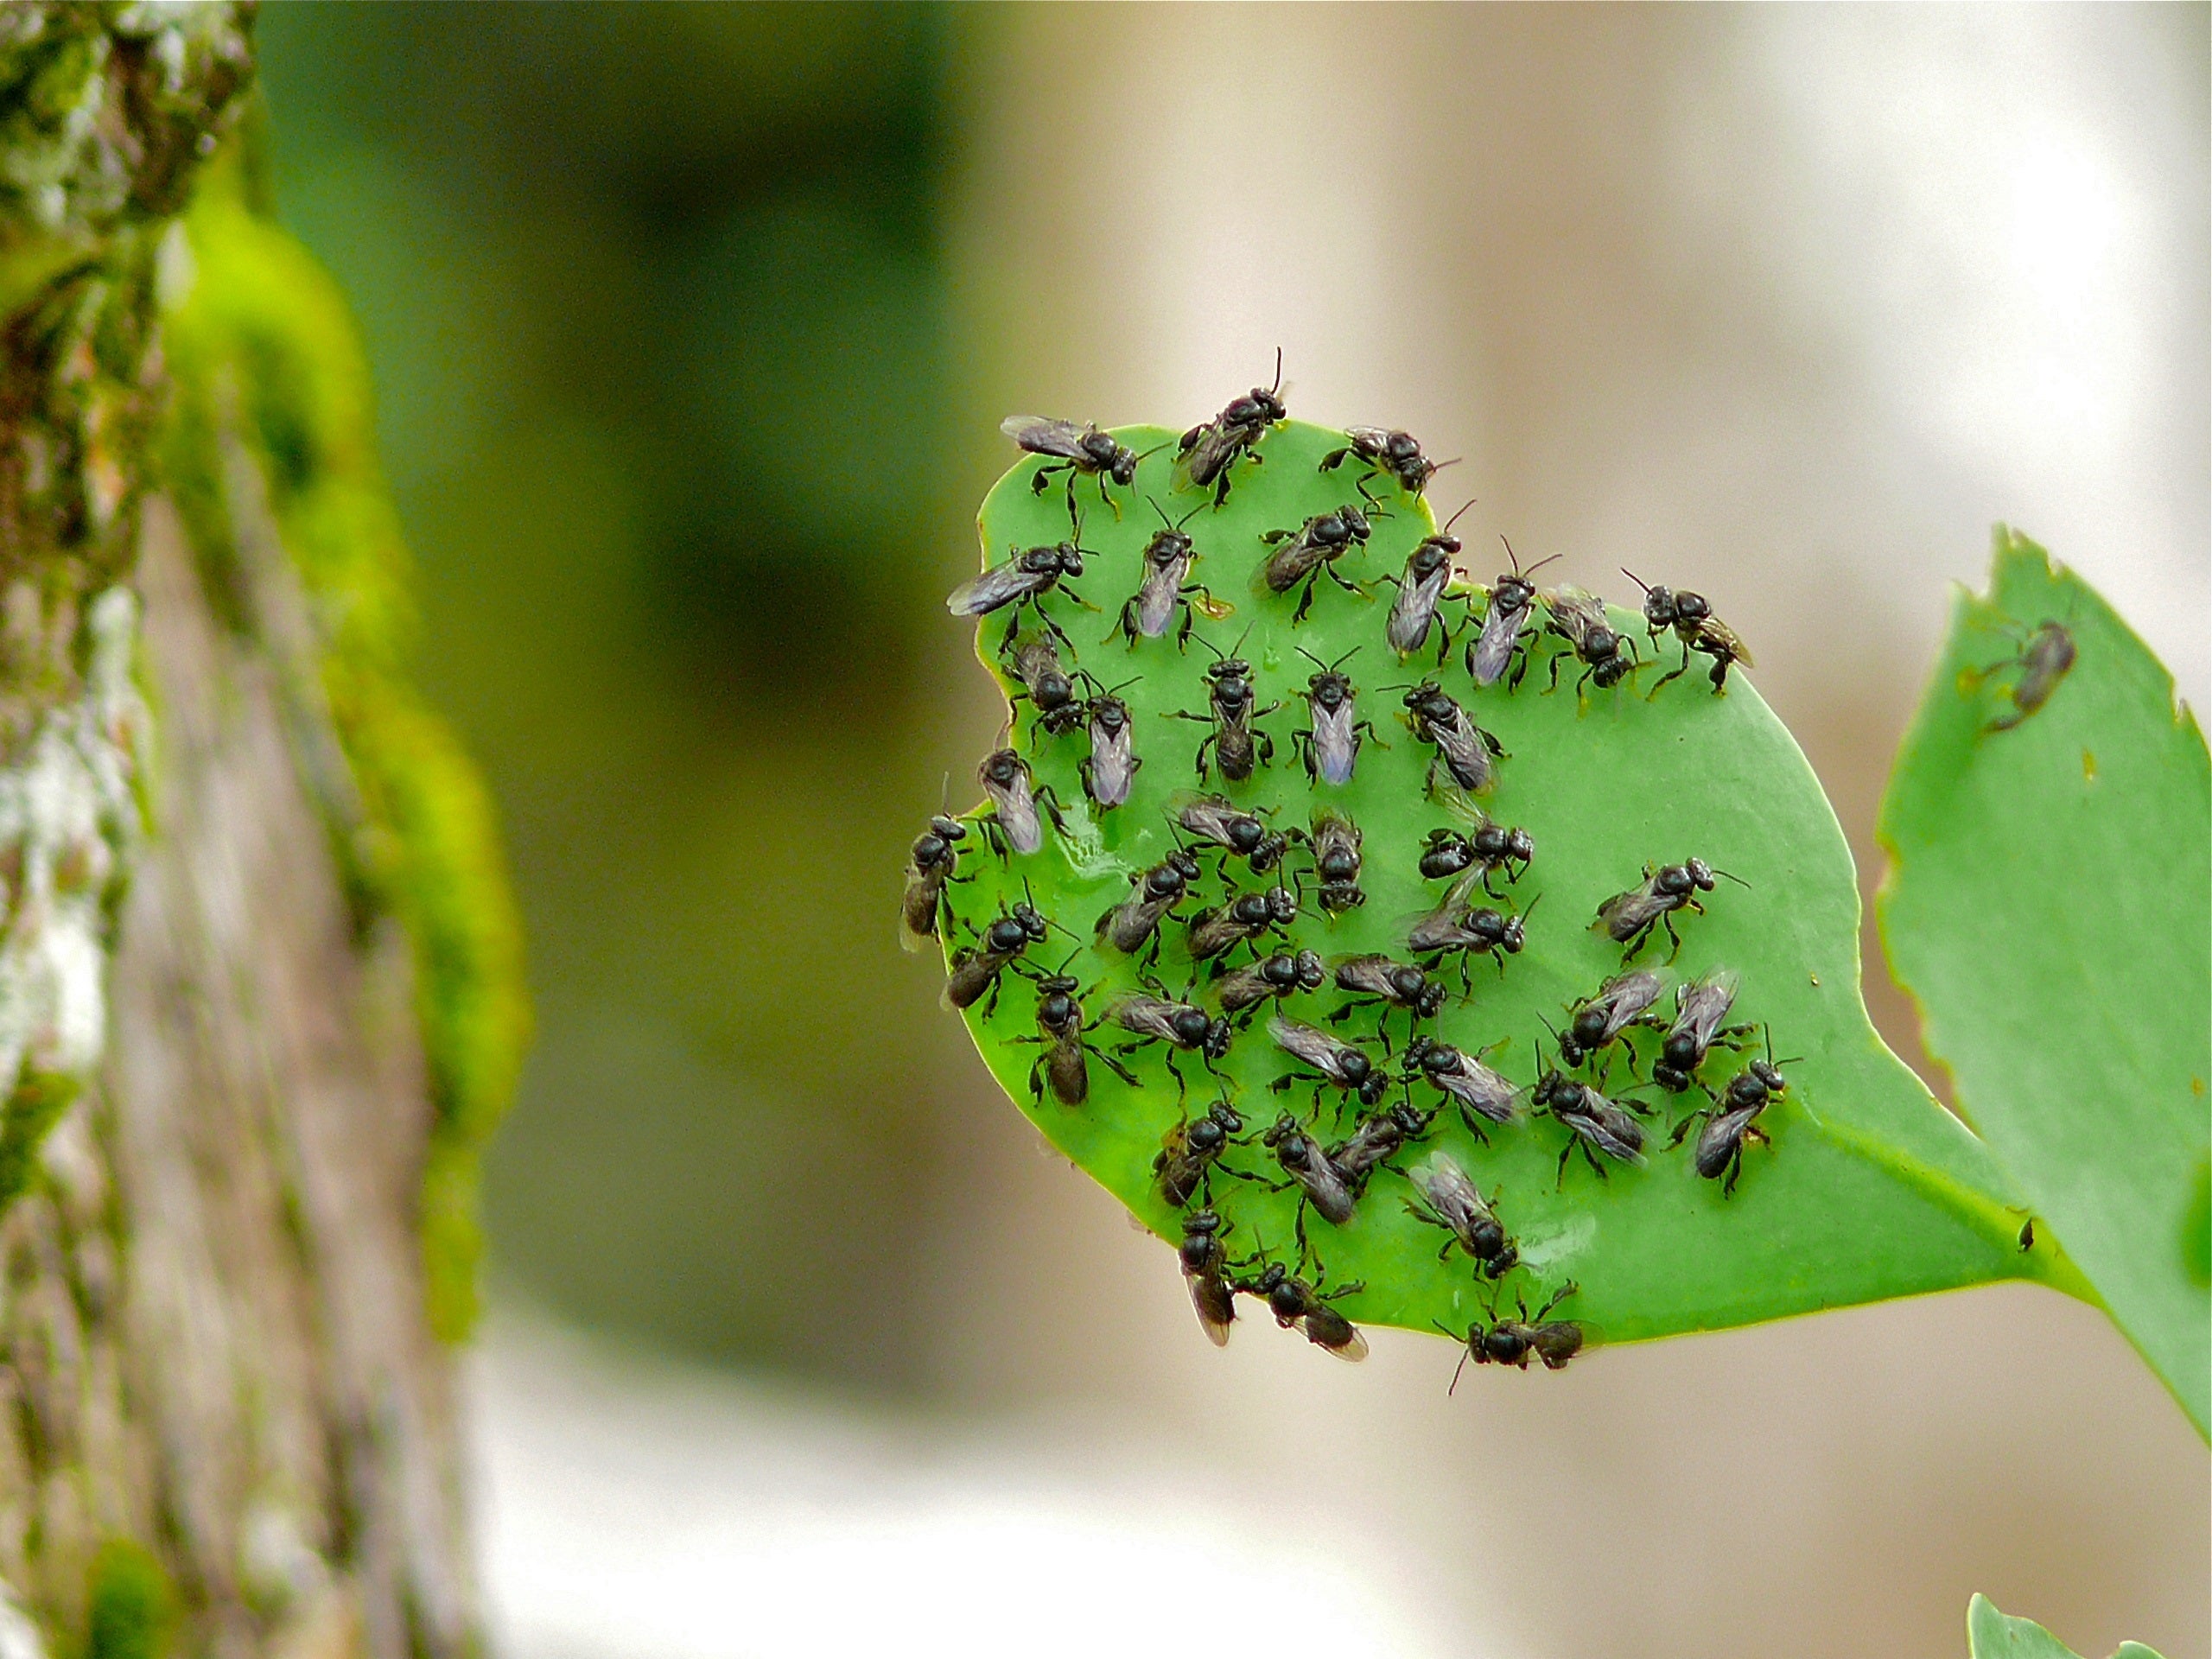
228, 1424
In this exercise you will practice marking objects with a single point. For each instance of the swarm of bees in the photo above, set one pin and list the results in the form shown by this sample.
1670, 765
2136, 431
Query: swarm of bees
1235, 875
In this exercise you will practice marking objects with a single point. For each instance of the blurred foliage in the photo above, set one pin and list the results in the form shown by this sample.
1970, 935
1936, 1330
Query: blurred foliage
631, 281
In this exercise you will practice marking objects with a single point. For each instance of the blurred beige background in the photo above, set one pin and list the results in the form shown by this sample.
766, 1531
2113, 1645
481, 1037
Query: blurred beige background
1787, 305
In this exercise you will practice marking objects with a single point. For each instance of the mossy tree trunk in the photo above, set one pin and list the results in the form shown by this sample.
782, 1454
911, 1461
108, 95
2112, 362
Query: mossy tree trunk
257, 999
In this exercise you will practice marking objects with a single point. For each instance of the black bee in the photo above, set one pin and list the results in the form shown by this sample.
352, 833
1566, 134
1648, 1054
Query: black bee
1190, 1151
1515, 1342
1464, 750
1216, 819
1627, 919
975, 970
1595, 1023
1157, 1018
1110, 771
1335, 842
1304, 553
1207, 453
1022, 580
1496, 934
1372, 978
1421, 591
1012, 824
1480, 1092
930, 866
1492, 848
1238, 744
1321, 1184
1134, 922
1501, 645
1074, 450
1700, 1006
1450, 1200
1294, 1302
1397, 454
1167, 556
1330, 745
1060, 1030
1241, 921
1340, 1064
1046, 684
1719, 1154
1205, 1270
1599, 1125
1241, 989
2042, 662
1690, 615
1581, 621
1375, 1139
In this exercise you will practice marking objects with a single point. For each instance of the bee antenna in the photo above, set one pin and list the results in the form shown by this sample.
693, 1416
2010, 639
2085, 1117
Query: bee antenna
1637, 580
1192, 514
1549, 558
1316, 661
1436, 466
1531, 911
1278, 384
1454, 518
1157, 508
1738, 880
945, 794
1239, 649
1218, 655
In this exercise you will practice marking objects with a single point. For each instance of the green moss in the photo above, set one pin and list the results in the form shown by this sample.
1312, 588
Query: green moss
261, 347
132, 1607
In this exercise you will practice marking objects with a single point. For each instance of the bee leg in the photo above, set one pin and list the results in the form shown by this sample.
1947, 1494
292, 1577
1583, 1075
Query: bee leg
1671, 674
1720, 676
1116, 1067
1125, 626
1674, 938
1305, 602
1266, 745
1566, 1153
1520, 668
1735, 1168
1282, 1083
1554, 686
1346, 583
991, 1002
1305, 1250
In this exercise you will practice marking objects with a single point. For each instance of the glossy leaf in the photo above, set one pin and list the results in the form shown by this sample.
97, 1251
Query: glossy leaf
1992, 1635
2050, 904
1869, 1189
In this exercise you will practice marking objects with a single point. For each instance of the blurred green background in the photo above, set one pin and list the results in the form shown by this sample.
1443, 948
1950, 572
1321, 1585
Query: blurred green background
634, 283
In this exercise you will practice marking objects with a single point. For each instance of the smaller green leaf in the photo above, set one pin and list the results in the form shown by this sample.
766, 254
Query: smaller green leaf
2048, 903
1994, 1635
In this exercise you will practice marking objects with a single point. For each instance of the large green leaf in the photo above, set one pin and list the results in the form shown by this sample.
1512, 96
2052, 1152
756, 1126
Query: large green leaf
1992, 1635
2050, 904
1869, 1190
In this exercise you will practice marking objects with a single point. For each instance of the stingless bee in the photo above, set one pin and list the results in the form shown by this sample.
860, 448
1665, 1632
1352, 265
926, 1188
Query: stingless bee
1164, 591
1447, 1198
1690, 615
1628, 919
1077, 450
1306, 554
929, 868
1207, 453
1501, 645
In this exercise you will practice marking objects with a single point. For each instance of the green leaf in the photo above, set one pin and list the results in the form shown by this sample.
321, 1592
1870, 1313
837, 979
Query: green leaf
1992, 1635
1869, 1189
2049, 906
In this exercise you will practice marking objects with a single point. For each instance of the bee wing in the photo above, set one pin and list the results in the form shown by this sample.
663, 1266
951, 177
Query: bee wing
1557, 1341
1484, 1090
1576, 612
1627, 995
1289, 563
1317, 1048
1719, 636
1703, 1005
1364, 976
1147, 1016
1000, 585
1331, 1332
1614, 1130
1333, 829
1374, 437
1041, 437
1205, 816
1212, 447
1240, 989
1494, 647
1214, 1303
1427, 932
1624, 913
1464, 753
1446, 1185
